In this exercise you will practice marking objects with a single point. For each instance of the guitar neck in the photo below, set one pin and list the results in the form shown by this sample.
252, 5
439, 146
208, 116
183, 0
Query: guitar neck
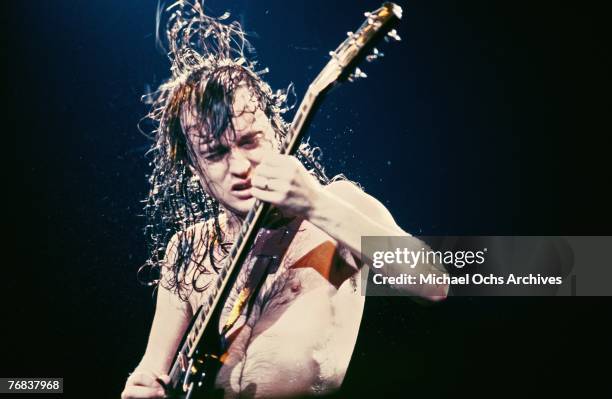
248, 231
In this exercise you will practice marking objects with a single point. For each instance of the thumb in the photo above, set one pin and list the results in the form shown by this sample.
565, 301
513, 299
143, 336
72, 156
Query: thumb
165, 378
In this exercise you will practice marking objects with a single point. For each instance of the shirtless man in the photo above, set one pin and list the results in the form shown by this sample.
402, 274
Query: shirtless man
299, 336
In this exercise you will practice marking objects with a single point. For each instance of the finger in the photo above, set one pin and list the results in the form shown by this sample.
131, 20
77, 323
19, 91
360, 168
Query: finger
135, 391
165, 379
270, 172
161, 382
272, 197
275, 159
258, 181
271, 185
261, 182
144, 378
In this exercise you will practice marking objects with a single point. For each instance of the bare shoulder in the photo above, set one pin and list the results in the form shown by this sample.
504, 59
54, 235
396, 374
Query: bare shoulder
185, 253
190, 236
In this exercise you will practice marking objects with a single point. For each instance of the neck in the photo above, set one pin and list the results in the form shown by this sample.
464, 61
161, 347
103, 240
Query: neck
231, 223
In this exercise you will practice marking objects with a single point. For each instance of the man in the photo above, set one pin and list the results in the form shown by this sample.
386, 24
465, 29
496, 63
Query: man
220, 124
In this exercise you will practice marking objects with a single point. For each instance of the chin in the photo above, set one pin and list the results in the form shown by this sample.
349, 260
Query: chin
242, 206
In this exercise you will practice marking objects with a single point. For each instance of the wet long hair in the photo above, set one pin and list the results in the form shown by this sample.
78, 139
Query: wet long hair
209, 59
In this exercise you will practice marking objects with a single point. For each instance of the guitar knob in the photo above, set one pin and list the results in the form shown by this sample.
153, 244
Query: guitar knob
393, 34
358, 74
375, 54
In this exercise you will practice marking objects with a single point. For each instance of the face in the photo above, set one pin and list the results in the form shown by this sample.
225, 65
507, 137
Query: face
226, 165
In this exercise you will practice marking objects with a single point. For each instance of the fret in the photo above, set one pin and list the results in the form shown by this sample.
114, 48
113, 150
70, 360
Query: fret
189, 343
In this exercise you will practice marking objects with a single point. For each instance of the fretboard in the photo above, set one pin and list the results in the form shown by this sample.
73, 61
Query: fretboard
248, 231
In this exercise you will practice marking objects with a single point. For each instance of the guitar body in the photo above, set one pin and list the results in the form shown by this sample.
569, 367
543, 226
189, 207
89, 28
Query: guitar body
194, 377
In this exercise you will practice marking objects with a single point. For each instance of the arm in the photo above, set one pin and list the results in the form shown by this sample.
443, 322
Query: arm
172, 316
347, 213
340, 209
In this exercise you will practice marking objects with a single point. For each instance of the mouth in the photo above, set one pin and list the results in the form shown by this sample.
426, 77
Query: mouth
241, 190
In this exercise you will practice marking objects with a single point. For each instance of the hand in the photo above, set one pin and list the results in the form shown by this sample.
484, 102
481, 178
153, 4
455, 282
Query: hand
144, 384
284, 182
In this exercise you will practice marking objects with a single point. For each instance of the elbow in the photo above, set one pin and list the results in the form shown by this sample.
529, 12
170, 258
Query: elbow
439, 294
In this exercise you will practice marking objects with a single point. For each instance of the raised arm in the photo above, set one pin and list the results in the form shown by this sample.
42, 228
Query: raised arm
347, 213
340, 209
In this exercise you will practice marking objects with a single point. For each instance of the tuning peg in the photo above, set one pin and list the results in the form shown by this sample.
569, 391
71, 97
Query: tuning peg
358, 74
352, 36
370, 17
393, 34
375, 54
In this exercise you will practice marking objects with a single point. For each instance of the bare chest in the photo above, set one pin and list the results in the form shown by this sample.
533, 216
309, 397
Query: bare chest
304, 318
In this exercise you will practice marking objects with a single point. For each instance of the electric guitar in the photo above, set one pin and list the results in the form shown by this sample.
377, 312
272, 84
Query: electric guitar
200, 355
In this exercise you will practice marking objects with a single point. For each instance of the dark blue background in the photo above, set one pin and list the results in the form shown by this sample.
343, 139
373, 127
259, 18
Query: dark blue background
488, 118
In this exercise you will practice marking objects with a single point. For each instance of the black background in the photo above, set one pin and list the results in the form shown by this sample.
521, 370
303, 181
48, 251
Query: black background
488, 118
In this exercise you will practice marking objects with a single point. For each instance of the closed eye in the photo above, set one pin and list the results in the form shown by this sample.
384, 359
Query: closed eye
250, 140
216, 154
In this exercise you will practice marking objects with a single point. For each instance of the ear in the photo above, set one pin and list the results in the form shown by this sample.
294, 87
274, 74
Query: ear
194, 172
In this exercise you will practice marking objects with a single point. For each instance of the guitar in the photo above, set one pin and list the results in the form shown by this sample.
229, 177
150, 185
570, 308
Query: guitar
200, 354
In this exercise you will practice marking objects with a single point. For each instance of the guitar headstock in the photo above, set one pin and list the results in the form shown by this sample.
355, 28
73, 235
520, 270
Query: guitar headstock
379, 24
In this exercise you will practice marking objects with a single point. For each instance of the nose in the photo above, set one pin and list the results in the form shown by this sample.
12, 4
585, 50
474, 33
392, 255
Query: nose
239, 163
